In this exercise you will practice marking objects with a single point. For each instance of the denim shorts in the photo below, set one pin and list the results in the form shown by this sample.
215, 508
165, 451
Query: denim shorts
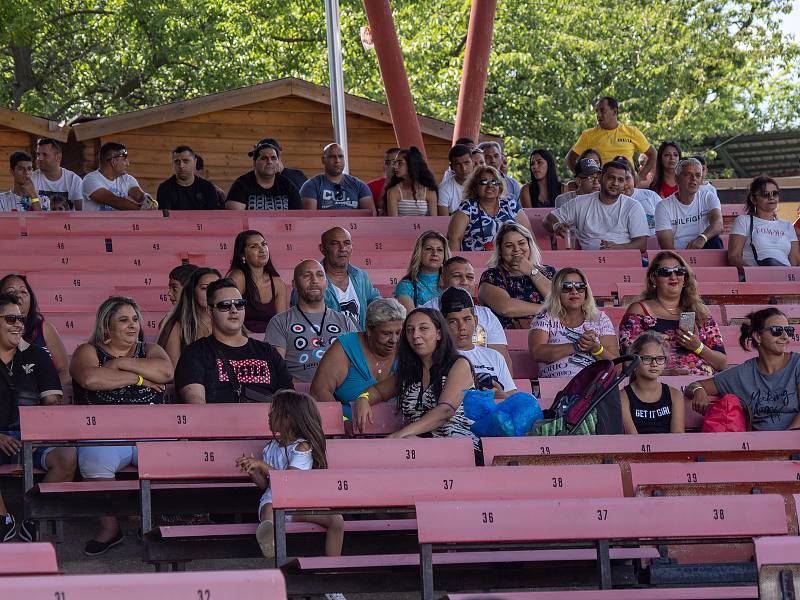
39, 454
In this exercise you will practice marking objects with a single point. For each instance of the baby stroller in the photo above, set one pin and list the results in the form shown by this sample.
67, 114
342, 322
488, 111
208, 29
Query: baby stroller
590, 403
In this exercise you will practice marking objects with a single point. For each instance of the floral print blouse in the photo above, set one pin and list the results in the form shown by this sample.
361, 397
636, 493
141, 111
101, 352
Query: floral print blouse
482, 228
680, 358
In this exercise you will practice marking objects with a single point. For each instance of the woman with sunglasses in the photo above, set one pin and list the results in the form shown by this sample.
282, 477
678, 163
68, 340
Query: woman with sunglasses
671, 289
759, 238
115, 367
484, 210
38, 331
570, 333
665, 183
421, 282
649, 406
768, 385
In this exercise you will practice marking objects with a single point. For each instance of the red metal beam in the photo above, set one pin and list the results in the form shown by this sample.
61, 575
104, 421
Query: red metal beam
476, 66
393, 72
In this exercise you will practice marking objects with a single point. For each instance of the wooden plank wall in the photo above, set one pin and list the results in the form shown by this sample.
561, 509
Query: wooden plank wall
224, 137
11, 140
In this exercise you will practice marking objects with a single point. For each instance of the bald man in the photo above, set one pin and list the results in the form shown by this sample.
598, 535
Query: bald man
334, 189
303, 333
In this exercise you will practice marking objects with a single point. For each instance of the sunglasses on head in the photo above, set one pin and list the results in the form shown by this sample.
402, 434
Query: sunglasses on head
777, 330
226, 305
568, 286
668, 271
493, 182
11, 319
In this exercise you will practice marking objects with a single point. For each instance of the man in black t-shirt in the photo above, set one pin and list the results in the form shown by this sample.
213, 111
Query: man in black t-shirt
296, 176
27, 377
263, 188
227, 366
185, 190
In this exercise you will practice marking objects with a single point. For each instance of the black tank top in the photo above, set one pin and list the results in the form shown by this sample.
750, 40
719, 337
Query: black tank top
651, 417
130, 394
258, 314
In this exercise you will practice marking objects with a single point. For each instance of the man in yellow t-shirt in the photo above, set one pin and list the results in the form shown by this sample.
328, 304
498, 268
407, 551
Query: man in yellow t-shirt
612, 138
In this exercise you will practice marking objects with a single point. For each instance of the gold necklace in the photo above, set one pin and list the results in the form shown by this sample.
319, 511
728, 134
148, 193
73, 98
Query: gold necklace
672, 311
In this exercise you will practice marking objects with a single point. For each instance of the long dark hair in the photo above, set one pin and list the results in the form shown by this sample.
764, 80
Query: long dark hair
237, 262
756, 187
184, 314
409, 364
34, 319
658, 178
418, 172
553, 184
755, 323
295, 414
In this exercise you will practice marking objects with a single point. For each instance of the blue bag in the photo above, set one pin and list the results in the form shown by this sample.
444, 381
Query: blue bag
512, 417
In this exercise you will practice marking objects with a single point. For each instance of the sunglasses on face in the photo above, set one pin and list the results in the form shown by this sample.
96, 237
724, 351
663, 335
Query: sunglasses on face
669, 271
775, 330
653, 360
11, 319
568, 286
770, 194
123, 154
493, 182
226, 305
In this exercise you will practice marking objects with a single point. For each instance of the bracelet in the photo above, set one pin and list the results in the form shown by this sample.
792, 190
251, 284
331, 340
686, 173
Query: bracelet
34, 200
599, 351
704, 236
699, 349
363, 395
691, 389
140, 382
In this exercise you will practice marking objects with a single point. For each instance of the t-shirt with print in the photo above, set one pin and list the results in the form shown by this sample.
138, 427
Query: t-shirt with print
33, 377
686, 221
488, 330
281, 196
257, 366
11, 202
594, 221
348, 300
451, 194
482, 228
559, 333
772, 239
335, 196
625, 140
490, 362
649, 200
772, 399
96, 180
201, 195
303, 342
68, 186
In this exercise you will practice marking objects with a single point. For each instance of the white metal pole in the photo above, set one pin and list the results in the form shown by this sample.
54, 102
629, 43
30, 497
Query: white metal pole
336, 78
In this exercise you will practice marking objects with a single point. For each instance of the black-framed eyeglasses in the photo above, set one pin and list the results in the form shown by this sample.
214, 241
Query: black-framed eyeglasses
11, 319
778, 330
226, 305
669, 271
493, 182
649, 359
568, 286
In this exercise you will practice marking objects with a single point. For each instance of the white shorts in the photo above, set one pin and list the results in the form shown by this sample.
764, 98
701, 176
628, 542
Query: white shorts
103, 462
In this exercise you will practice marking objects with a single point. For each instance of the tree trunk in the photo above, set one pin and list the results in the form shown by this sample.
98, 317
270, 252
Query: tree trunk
24, 80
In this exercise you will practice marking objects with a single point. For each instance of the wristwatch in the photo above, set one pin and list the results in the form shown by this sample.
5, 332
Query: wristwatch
534, 272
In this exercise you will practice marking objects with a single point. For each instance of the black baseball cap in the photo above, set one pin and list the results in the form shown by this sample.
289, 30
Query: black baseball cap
265, 143
587, 166
455, 299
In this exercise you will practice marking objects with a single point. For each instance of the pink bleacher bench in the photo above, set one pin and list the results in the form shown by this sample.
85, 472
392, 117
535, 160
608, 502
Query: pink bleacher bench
695, 593
777, 550
699, 258
772, 273
149, 264
507, 522
72, 299
736, 313
525, 366
753, 445
731, 292
27, 559
743, 471
57, 245
205, 585
357, 226
135, 225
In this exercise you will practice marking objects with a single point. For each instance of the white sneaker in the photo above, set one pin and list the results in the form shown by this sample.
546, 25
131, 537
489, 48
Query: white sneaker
335, 597
265, 535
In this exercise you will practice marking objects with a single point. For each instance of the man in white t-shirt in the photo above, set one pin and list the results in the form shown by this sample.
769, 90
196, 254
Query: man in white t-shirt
689, 218
493, 154
22, 196
451, 189
491, 371
606, 219
51, 180
110, 187
459, 272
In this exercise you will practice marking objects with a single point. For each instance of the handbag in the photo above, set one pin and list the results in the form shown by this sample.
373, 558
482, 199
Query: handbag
241, 392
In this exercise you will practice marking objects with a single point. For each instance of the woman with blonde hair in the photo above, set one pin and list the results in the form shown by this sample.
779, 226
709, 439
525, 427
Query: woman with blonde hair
671, 290
516, 283
570, 333
484, 210
420, 284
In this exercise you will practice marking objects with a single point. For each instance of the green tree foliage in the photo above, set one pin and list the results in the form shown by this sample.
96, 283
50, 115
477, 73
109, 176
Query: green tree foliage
681, 68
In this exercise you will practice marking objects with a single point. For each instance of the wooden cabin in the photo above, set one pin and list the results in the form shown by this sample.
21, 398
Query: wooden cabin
19, 131
223, 127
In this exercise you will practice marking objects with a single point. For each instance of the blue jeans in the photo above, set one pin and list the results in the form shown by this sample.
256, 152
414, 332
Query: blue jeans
39, 455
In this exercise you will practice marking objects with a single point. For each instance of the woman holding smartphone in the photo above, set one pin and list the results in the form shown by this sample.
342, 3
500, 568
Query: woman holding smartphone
696, 348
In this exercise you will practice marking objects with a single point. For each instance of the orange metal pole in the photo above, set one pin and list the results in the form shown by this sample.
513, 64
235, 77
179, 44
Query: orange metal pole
475, 70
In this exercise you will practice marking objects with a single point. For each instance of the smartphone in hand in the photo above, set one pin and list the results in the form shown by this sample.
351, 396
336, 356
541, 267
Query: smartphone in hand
686, 321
